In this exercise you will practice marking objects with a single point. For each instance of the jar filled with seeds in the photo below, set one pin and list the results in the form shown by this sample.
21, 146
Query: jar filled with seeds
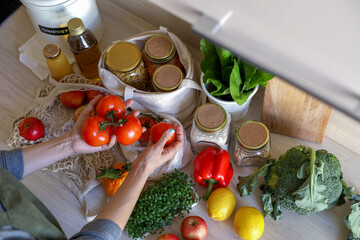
252, 145
210, 128
124, 60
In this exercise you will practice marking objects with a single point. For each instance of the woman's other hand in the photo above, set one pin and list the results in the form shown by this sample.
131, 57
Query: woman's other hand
156, 154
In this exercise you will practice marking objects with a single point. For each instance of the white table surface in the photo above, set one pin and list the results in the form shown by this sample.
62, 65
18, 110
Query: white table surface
17, 90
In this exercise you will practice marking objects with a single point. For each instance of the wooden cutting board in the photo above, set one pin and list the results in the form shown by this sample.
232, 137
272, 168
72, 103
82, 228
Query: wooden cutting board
290, 111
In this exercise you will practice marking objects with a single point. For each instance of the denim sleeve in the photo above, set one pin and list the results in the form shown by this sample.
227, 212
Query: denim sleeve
99, 229
13, 162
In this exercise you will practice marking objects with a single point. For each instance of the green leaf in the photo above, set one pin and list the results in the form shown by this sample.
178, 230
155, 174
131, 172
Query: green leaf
303, 172
277, 213
211, 60
311, 195
253, 76
220, 88
266, 199
352, 221
247, 184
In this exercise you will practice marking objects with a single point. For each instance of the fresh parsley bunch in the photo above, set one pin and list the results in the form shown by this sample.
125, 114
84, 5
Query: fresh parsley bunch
160, 203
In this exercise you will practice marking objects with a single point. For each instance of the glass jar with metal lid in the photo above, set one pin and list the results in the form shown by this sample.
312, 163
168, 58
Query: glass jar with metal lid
211, 127
167, 78
57, 62
252, 145
124, 60
160, 50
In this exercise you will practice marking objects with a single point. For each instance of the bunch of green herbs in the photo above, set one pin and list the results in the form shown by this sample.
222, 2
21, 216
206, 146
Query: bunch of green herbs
304, 181
160, 203
229, 78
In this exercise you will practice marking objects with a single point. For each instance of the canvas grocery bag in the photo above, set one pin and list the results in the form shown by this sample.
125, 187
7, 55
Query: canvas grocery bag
180, 103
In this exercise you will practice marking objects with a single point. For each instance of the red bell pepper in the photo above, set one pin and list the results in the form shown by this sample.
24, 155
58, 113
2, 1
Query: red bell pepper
212, 169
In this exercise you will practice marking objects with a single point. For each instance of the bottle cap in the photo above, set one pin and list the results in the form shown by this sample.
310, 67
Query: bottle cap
51, 50
210, 118
252, 135
159, 49
167, 78
76, 26
123, 56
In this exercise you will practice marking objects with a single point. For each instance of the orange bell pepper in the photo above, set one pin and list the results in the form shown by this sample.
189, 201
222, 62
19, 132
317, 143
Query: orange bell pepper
113, 177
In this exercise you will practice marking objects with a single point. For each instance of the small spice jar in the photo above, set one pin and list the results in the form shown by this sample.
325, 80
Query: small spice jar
211, 127
124, 60
167, 78
160, 50
252, 145
57, 62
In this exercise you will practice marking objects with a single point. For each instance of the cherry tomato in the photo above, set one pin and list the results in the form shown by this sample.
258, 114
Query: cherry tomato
147, 122
31, 128
73, 99
157, 131
91, 94
110, 104
92, 134
129, 132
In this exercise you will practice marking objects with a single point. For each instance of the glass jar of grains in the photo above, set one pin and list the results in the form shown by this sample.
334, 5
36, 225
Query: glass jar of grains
211, 127
167, 78
252, 145
158, 51
124, 60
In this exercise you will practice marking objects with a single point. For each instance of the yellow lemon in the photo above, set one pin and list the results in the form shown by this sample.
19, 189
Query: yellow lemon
221, 204
249, 223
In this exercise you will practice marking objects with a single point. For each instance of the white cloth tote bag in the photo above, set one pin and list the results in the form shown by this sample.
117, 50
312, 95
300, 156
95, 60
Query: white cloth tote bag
180, 103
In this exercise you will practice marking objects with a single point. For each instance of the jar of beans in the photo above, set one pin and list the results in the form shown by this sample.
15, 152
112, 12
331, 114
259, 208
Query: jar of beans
252, 145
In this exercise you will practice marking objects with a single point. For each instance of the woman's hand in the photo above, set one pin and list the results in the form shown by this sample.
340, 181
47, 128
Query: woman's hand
78, 145
156, 154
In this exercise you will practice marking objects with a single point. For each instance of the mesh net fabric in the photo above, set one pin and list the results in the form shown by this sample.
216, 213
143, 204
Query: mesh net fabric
79, 172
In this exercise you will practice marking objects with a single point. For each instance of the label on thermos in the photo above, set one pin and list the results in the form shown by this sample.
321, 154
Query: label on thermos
54, 31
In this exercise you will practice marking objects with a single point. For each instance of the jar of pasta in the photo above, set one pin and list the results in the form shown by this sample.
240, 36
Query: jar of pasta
167, 78
124, 60
252, 145
210, 128
158, 51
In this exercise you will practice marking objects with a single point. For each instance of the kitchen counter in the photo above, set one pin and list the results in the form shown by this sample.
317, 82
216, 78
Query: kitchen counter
18, 89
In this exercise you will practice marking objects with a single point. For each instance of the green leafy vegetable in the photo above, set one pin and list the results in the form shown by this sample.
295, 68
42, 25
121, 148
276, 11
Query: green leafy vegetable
227, 75
247, 184
160, 203
312, 194
352, 221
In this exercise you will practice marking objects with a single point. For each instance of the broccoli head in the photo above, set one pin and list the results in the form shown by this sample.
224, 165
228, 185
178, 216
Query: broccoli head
284, 177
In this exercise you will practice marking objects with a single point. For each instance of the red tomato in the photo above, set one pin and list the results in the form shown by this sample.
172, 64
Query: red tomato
110, 103
92, 134
158, 129
91, 94
73, 99
130, 132
146, 122
31, 128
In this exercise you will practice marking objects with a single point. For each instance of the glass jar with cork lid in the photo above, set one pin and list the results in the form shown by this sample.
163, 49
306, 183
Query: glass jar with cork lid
167, 78
252, 145
158, 51
210, 128
124, 60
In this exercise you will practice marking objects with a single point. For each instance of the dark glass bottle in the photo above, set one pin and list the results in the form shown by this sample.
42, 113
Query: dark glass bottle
85, 47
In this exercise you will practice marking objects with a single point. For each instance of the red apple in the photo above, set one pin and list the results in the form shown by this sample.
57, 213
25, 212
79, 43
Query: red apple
73, 99
194, 228
168, 236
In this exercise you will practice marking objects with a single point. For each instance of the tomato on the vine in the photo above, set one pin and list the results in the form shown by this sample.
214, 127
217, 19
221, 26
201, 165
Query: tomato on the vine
157, 131
129, 132
95, 132
147, 122
110, 105
31, 128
